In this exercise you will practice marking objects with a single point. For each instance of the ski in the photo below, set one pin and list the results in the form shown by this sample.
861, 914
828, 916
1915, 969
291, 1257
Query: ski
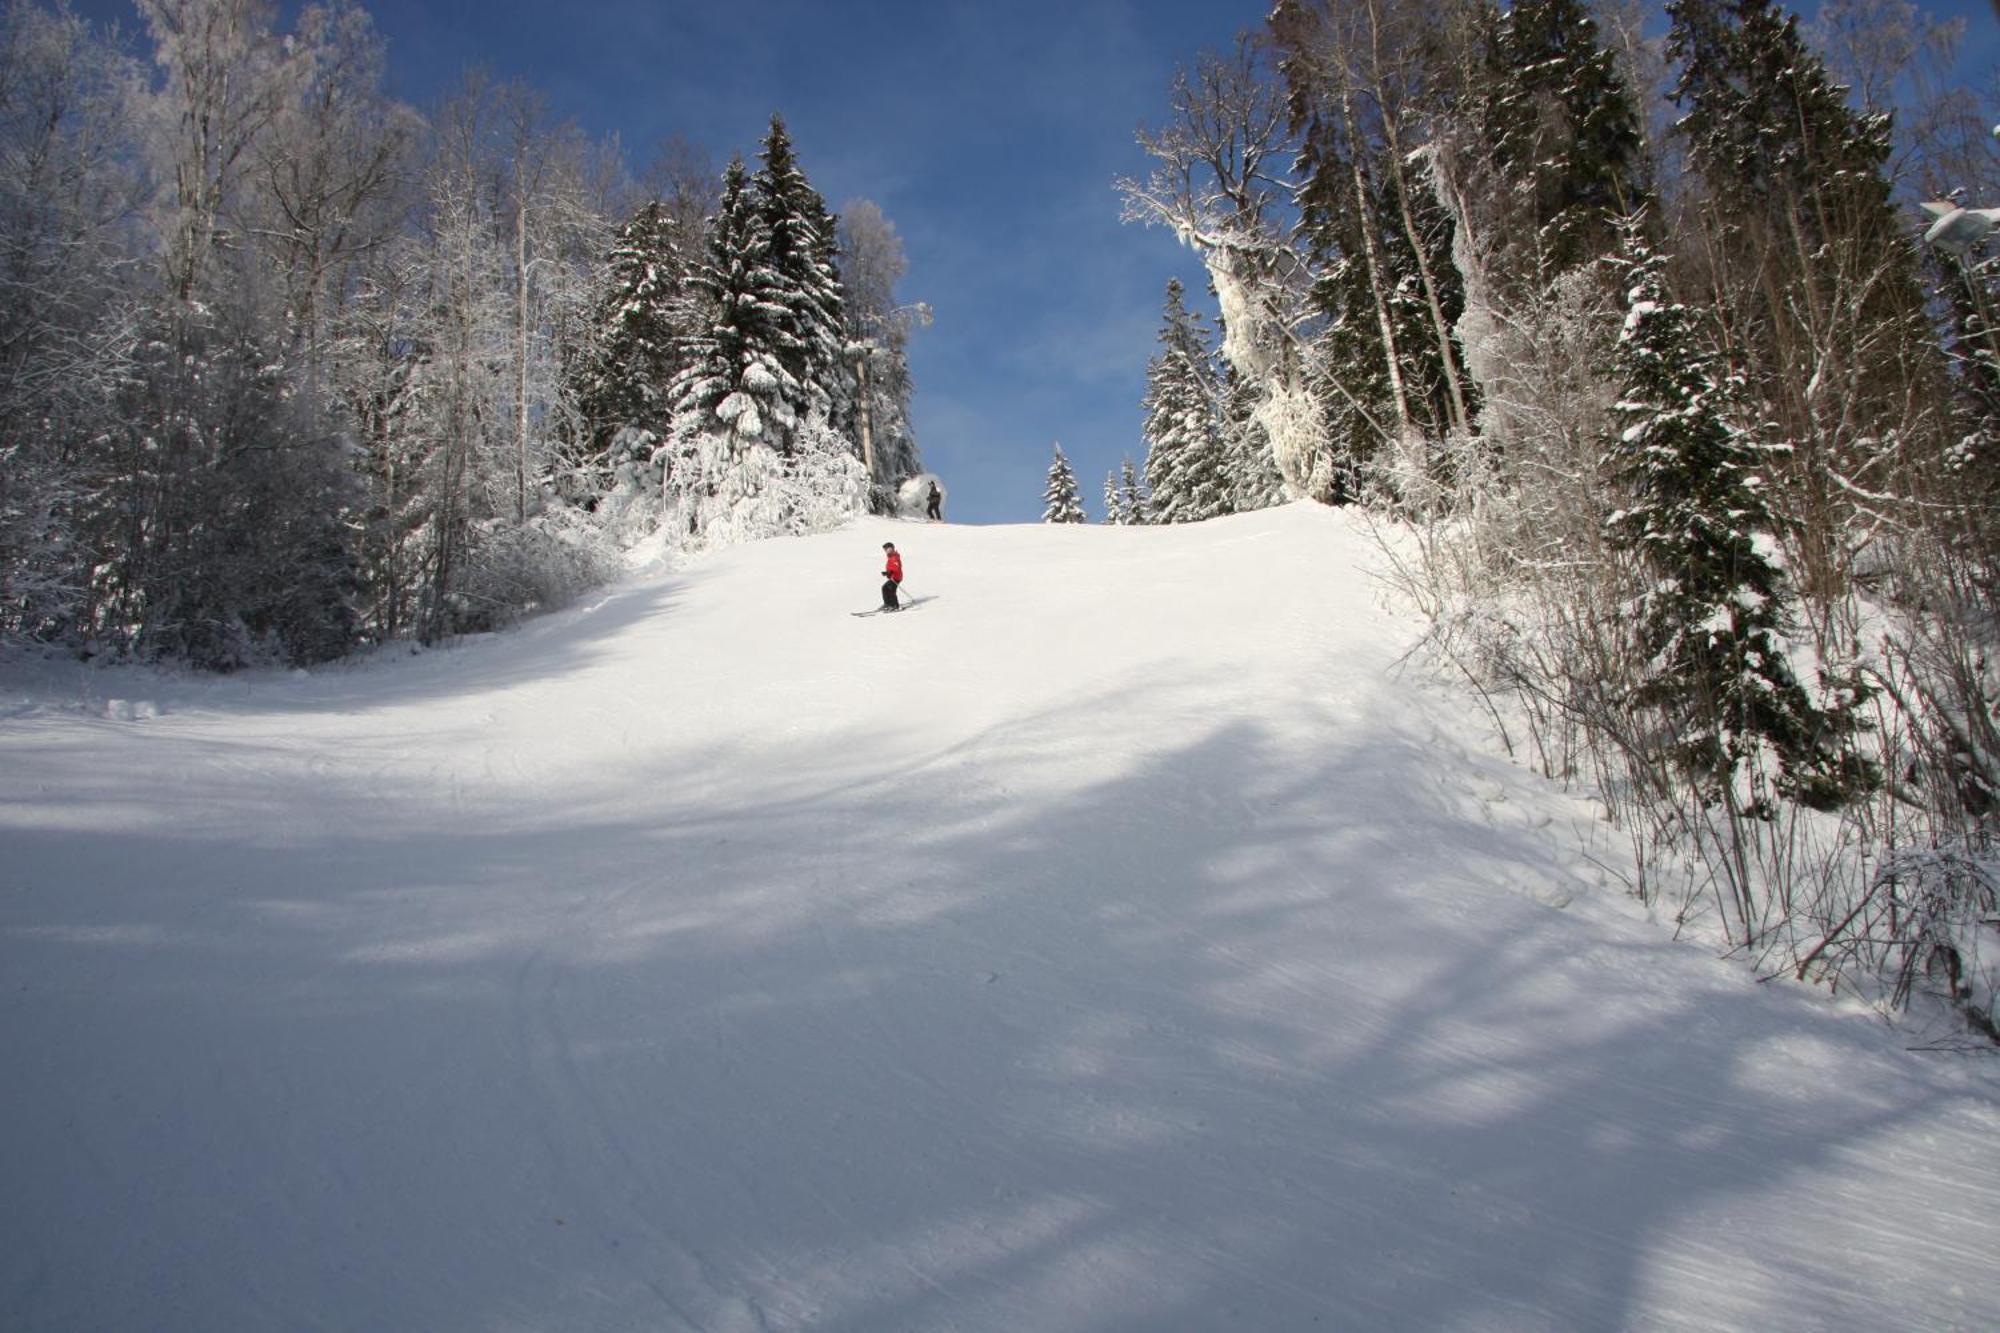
910, 604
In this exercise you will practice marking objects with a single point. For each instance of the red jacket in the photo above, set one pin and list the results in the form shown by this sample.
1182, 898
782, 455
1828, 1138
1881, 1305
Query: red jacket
895, 569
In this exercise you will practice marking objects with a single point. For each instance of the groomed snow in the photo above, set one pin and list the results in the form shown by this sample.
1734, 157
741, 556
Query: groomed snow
1119, 941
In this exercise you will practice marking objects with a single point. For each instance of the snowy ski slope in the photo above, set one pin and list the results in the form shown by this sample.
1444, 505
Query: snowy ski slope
1122, 943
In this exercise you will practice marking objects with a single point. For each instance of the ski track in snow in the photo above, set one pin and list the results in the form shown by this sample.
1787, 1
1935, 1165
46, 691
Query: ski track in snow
1126, 943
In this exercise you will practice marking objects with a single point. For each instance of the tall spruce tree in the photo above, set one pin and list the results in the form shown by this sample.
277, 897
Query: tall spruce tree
1135, 503
735, 395
624, 386
1761, 115
1708, 622
1061, 501
1968, 291
1563, 137
1114, 502
802, 259
1367, 402
1186, 468
1252, 470
1385, 289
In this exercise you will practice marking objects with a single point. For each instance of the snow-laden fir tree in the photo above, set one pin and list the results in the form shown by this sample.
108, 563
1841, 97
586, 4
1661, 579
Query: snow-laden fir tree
736, 394
1186, 467
1061, 501
1207, 487
1134, 503
1252, 471
231, 489
1114, 502
1707, 627
1562, 141
1761, 115
1970, 296
801, 251
753, 452
622, 393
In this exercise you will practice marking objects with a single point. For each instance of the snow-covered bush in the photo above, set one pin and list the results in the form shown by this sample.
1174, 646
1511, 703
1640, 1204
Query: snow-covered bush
723, 490
1255, 342
515, 570
913, 496
825, 486
1936, 921
630, 509
1291, 418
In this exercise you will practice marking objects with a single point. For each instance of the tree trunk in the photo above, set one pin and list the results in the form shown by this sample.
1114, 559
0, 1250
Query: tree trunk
1460, 418
521, 360
866, 416
1371, 256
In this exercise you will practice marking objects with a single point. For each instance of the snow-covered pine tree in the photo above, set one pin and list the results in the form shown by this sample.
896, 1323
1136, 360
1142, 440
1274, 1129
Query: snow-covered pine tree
1706, 629
1186, 470
806, 283
1561, 138
1114, 502
1371, 360
1206, 489
233, 495
1761, 116
1061, 501
1163, 442
735, 394
622, 394
1136, 505
1357, 348
1253, 473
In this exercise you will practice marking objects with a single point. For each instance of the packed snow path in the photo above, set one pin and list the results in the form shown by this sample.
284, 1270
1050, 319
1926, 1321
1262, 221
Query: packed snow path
1122, 943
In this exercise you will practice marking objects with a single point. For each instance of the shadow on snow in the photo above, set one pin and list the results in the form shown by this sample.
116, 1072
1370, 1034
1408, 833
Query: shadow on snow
1194, 1047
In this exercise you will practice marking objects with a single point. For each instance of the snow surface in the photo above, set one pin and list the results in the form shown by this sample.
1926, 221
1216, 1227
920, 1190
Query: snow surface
1126, 942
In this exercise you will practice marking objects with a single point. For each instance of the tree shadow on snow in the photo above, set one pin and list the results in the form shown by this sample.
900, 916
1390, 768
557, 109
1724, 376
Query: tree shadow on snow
954, 1045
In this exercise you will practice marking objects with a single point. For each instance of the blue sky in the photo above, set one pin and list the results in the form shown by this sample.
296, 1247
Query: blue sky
989, 131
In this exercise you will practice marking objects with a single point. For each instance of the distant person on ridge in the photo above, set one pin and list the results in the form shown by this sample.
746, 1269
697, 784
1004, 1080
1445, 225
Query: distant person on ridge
936, 504
892, 574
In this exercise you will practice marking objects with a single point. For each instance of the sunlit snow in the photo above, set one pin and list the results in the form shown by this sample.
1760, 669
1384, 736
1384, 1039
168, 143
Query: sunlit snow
1125, 939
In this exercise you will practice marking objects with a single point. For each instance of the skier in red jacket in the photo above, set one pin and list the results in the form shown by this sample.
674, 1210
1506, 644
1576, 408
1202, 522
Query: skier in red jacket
892, 574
